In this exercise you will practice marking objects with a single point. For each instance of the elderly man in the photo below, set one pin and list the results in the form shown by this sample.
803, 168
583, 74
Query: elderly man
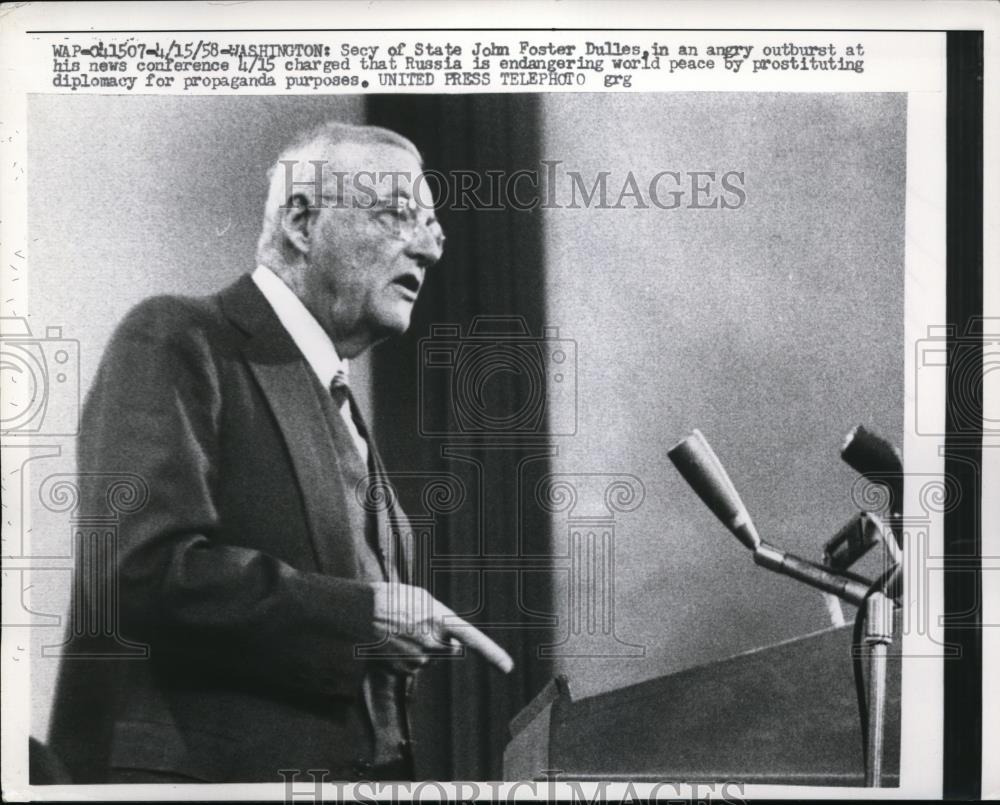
282, 631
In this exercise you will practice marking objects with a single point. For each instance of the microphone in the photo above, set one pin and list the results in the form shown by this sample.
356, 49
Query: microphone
877, 460
700, 467
864, 531
871, 455
855, 538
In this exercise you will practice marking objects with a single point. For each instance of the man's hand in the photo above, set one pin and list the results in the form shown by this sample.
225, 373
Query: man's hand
418, 627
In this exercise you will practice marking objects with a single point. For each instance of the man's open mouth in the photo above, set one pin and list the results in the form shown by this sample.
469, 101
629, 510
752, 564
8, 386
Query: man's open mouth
408, 282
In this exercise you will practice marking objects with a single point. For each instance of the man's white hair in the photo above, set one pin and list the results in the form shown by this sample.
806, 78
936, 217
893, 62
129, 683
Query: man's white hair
297, 164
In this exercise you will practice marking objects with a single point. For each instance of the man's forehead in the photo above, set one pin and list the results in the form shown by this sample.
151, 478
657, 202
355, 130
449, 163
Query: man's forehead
391, 165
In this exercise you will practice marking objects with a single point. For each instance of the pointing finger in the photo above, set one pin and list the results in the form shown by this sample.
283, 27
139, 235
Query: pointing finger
469, 635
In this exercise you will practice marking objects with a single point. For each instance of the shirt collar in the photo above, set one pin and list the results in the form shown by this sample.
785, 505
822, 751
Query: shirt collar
311, 339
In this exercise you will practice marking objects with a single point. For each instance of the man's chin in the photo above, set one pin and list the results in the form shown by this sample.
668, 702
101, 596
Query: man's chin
396, 321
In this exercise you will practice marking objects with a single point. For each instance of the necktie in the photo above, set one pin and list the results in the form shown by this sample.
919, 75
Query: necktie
358, 462
341, 394
383, 689
339, 389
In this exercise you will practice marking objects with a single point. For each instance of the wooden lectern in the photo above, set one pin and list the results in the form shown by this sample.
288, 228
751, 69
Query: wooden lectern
784, 714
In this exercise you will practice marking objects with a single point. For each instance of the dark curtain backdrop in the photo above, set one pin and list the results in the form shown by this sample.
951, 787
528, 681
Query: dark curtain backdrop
487, 557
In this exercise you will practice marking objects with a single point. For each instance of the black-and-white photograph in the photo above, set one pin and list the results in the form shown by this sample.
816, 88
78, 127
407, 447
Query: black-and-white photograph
518, 432
600, 276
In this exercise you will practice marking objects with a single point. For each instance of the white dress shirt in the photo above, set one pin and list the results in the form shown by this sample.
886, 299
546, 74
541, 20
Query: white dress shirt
310, 338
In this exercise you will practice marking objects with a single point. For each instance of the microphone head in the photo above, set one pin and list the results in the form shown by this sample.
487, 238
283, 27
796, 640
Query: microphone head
877, 460
855, 538
700, 467
870, 454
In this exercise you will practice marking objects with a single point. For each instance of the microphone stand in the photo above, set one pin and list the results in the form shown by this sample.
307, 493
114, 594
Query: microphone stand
701, 468
878, 637
854, 592
879, 616
878, 461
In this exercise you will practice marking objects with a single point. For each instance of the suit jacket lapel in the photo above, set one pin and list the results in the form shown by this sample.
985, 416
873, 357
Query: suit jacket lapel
287, 384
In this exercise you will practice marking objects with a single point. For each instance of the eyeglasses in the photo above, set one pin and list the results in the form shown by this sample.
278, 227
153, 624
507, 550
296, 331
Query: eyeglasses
398, 217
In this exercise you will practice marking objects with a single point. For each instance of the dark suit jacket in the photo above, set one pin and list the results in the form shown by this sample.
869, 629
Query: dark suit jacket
239, 572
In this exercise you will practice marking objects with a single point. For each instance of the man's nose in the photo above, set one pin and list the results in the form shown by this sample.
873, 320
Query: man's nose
427, 243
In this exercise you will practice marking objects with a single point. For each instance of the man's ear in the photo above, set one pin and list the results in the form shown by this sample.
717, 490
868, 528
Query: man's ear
296, 222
